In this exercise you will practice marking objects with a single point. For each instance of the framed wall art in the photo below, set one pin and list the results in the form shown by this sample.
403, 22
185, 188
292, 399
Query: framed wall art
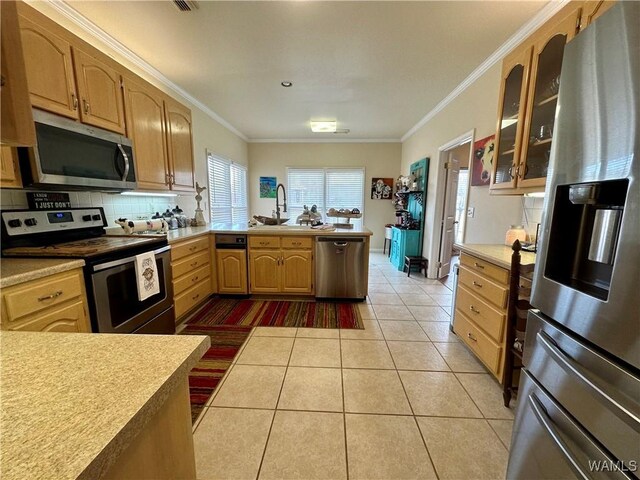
268, 187
483, 151
381, 188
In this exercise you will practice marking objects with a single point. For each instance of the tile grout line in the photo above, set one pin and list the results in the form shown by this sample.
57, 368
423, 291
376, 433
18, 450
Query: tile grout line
275, 409
344, 409
413, 414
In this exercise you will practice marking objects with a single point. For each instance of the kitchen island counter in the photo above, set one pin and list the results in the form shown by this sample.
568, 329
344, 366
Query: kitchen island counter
73, 403
495, 253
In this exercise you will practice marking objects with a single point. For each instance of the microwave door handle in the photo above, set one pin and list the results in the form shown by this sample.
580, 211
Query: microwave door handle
622, 409
126, 162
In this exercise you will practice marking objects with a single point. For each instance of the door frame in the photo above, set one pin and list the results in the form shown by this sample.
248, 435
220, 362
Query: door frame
441, 178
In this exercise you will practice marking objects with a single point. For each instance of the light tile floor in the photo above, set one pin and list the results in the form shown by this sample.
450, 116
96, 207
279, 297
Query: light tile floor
402, 398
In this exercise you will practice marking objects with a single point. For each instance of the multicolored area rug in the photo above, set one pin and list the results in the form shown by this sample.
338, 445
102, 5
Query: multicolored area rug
228, 323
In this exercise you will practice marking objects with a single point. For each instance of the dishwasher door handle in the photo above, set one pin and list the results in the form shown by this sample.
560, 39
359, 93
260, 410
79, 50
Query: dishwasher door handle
340, 244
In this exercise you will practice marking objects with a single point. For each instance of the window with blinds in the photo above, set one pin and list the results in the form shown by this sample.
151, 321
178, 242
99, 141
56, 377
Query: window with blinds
325, 187
227, 191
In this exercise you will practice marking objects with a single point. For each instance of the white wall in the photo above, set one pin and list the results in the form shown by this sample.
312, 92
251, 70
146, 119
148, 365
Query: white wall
208, 134
476, 108
378, 159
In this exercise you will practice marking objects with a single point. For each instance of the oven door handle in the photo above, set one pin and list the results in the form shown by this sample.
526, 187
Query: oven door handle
116, 263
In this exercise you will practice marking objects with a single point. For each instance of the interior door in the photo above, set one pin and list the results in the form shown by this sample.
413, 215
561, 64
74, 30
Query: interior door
449, 216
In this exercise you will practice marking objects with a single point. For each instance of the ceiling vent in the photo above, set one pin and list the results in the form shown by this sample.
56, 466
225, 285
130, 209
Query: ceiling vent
185, 5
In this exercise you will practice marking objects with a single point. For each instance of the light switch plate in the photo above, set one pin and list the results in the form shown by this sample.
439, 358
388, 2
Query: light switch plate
471, 211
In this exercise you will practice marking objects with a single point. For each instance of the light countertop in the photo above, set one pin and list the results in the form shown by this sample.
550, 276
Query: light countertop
18, 270
73, 402
191, 232
497, 254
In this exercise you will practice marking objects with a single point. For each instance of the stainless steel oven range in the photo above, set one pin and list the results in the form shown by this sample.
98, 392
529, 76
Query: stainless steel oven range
109, 270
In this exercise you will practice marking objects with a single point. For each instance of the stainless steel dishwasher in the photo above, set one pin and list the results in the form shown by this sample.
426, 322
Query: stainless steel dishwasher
341, 270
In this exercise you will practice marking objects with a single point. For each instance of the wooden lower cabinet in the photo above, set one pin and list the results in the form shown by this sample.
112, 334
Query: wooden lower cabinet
9, 168
281, 265
56, 303
481, 311
191, 269
232, 271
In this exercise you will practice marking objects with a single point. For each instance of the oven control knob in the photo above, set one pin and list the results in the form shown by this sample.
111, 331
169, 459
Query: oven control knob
97, 217
30, 222
14, 223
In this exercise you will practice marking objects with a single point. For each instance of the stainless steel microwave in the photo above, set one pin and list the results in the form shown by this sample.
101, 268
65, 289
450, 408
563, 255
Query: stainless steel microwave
72, 155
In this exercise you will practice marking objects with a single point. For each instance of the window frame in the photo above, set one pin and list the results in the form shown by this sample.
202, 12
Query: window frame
233, 209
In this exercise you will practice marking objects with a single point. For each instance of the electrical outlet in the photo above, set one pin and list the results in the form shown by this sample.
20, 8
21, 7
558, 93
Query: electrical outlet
471, 211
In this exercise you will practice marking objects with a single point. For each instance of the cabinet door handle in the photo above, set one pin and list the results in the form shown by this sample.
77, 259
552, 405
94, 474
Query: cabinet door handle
167, 179
511, 171
473, 309
477, 265
86, 106
195, 279
471, 337
195, 296
56, 294
194, 264
476, 284
74, 101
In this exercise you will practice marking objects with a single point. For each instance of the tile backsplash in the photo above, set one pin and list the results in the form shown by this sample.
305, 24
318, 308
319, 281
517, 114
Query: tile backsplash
115, 205
532, 208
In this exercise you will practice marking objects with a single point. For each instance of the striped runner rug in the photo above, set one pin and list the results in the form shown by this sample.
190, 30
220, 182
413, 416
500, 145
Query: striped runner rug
228, 323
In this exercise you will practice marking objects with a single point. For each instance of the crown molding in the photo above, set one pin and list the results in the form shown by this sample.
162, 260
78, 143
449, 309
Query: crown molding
548, 11
324, 140
92, 29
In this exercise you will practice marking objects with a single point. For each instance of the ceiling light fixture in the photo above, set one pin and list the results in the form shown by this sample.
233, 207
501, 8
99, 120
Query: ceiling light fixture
323, 126
286, 84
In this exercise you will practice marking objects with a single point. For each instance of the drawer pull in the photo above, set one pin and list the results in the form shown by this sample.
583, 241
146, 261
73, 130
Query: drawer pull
195, 279
194, 264
296, 243
191, 249
476, 284
264, 243
195, 296
49, 297
473, 309
472, 337
477, 265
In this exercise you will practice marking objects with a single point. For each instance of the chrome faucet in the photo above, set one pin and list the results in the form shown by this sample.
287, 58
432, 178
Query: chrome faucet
284, 204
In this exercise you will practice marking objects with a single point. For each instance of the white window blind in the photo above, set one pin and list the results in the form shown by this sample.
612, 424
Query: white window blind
227, 191
327, 188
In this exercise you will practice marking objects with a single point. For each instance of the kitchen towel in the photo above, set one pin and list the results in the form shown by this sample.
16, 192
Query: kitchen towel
147, 275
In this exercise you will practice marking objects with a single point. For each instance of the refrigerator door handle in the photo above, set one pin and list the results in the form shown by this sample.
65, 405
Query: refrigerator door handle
624, 412
546, 422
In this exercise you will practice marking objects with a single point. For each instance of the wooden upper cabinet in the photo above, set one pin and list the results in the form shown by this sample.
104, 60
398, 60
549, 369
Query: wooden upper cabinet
511, 115
527, 105
144, 107
99, 92
48, 64
17, 121
180, 143
592, 9
9, 171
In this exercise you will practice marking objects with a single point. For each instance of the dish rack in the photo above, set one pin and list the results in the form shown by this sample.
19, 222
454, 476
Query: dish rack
348, 217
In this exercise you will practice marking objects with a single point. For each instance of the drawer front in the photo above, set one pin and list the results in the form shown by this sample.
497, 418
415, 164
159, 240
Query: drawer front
41, 294
264, 242
190, 263
182, 249
72, 318
486, 269
484, 287
191, 279
192, 297
491, 320
297, 242
487, 351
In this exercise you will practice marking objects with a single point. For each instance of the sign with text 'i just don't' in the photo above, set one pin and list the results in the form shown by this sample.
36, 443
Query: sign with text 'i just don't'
48, 200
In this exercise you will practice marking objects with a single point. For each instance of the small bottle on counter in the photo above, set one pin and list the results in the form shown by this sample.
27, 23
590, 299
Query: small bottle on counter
516, 232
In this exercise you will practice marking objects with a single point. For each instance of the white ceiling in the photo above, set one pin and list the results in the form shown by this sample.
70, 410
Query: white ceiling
375, 67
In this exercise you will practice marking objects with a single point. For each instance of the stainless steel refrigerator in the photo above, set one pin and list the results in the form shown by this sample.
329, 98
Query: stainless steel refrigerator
578, 413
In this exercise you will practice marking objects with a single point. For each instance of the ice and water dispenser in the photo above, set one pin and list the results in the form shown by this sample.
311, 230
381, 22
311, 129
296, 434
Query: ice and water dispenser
585, 227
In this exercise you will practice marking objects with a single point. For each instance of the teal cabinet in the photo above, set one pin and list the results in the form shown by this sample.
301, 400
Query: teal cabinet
404, 243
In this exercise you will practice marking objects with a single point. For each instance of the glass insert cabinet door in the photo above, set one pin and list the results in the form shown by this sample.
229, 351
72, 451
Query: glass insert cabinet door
515, 75
542, 101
